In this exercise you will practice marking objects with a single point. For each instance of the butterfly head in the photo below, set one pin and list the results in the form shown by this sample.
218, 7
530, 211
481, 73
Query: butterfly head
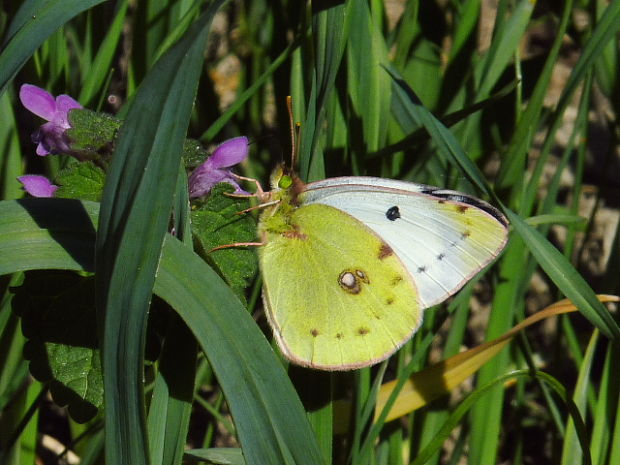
280, 179
284, 181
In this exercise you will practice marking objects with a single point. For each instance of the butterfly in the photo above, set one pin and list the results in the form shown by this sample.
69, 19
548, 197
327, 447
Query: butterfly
349, 264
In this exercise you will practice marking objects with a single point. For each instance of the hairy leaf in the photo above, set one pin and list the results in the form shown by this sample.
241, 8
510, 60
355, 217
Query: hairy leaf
80, 180
58, 319
217, 222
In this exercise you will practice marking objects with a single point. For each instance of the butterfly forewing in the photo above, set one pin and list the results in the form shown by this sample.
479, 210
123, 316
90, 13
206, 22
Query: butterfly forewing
443, 237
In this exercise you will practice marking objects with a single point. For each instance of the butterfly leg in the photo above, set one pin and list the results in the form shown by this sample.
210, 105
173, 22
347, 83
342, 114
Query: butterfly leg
260, 193
236, 244
257, 207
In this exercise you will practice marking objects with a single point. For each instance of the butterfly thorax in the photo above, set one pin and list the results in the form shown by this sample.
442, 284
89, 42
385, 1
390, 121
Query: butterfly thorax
276, 218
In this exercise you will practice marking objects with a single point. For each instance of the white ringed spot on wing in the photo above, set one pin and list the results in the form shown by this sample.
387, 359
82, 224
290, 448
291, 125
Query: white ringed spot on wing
351, 280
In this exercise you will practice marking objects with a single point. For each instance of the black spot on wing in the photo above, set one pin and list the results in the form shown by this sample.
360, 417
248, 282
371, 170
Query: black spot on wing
393, 213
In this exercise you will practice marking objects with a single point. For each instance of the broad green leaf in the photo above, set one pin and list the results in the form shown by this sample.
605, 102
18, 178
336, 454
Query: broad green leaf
171, 403
82, 181
92, 134
57, 234
217, 222
58, 319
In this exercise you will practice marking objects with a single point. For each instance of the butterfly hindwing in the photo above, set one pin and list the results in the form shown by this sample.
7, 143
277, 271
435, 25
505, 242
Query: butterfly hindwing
336, 294
442, 237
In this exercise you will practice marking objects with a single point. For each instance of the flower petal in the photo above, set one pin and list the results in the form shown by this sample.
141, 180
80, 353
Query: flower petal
42, 151
38, 101
51, 139
37, 186
229, 153
202, 180
64, 103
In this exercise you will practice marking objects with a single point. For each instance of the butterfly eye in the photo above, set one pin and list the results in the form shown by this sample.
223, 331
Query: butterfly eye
393, 213
285, 182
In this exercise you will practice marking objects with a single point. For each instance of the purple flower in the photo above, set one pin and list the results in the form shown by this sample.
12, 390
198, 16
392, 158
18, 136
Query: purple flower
50, 137
216, 168
37, 186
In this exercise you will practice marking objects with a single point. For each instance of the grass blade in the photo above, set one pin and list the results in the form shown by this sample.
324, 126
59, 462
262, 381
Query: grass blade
35, 22
96, 78
565, 277
137, 199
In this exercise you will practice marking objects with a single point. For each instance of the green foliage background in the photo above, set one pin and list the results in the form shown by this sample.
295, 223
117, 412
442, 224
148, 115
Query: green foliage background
515, 103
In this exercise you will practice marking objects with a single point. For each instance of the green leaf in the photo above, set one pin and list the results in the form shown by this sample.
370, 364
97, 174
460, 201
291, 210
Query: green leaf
92, 134
571, 450
369, 86
565, 277
194, 154
480, 392
274, 427
217, 222
95, 78
270, 420
58, 319
448, 147
11, 154
216, 456
34, 22
330, 32
31, 241
171, 403
514, 159
134, 217
80, 180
